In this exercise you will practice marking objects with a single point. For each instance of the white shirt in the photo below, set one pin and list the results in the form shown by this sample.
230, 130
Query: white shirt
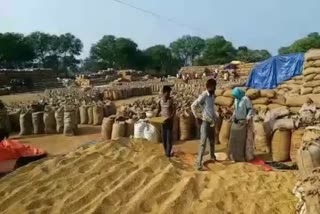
206, 102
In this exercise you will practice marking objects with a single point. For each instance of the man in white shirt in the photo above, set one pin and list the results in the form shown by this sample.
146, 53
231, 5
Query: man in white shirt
208, 118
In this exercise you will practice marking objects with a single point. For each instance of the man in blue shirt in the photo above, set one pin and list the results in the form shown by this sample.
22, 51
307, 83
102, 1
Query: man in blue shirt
208, 118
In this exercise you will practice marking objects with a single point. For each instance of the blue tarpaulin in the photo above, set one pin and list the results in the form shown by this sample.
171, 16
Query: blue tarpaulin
272, 72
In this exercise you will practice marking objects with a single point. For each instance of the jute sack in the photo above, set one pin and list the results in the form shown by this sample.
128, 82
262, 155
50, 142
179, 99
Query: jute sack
315, 98
14, 120
37, 123
306, 90
294, 110
228, 93
267, 93
49, 120
224, 133
309, 77
312, 84
69, 123
296, 101
25, 123
260, 138
311, 133
316, 90
130, 127
253, 93
259, 107
106, 128
90, 115
83, 114
312, 55
185, 124
311, 186
296, 142
300, 77
317, 77
309, 64
279, 99
59, 116
274, 106
309, 71
224, 101
261, 101
308, 157
97, 115
219, 92
118, 130
281, 145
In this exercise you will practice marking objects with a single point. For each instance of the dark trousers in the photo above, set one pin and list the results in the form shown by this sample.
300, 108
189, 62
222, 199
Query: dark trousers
167, 127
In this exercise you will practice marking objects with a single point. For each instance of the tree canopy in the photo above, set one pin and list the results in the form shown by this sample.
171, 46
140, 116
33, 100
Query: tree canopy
160, 60
187, 49
62, 52
245, 54
302, 45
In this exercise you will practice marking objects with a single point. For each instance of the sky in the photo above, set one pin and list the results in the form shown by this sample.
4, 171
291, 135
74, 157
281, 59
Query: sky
258, 24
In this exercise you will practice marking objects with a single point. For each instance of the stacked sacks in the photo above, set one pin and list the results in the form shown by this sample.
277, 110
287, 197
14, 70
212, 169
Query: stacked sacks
311, 72
308, 156
224, 98
308, 193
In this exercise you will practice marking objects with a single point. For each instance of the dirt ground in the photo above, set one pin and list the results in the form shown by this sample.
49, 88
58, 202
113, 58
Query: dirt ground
133, 176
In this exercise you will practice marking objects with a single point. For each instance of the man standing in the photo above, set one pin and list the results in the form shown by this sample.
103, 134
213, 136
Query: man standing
166, 109
206, 102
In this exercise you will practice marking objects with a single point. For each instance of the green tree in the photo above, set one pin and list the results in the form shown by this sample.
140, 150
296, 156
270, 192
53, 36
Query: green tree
15, 50
118, 53
245, 54
187, 48
161, 61
302, 45
217, 51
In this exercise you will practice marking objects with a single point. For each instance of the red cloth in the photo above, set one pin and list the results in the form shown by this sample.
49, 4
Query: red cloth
260, 162
13, 149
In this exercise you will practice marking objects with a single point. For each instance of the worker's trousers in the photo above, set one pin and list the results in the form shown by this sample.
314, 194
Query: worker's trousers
167, 127
206, 135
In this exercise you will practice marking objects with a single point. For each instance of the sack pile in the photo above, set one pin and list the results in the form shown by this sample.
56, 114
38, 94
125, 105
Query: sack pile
124, 93
308, 156
311, 72
307, 192
244, 69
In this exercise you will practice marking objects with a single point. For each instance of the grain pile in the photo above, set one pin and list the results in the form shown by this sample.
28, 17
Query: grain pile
134, 177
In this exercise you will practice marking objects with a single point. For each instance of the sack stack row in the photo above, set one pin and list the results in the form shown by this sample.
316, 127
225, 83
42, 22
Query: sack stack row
49, 119
311, 73
52, 120
307, 192
124, 93
308, 158
244, 69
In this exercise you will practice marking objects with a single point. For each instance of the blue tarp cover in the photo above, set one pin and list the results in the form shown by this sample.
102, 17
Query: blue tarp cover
271, 72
